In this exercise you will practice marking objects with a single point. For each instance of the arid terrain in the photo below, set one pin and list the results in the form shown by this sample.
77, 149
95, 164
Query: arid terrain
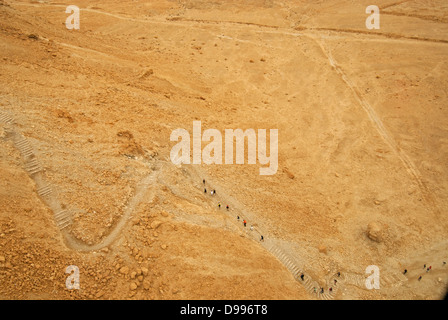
86, 177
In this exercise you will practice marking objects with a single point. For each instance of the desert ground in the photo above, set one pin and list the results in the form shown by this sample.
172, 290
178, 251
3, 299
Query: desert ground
86, 175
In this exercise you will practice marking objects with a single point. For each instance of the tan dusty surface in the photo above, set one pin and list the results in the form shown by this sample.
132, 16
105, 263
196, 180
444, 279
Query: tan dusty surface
363, 149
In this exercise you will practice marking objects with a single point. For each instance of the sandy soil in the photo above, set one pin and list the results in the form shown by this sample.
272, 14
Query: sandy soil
86, 177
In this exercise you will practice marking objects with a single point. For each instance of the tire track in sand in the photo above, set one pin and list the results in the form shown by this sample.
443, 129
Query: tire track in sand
387, 137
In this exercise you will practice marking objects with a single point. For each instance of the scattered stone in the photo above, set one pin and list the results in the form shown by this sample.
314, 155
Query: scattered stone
289, 173
155, 224
322, 249
133, 286
145, 271
124, 270
375, 232
146, 284
164, 213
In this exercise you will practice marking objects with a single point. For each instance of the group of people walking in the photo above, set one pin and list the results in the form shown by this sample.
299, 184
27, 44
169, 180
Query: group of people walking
213, 192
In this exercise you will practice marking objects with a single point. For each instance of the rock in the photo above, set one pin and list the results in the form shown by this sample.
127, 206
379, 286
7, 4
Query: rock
124, 270
155, 224
375, 232
288, 173
322, 249
164, 213
140, 278
163, 246
145, 271
146, 73
146, 284
133, 286
133, 274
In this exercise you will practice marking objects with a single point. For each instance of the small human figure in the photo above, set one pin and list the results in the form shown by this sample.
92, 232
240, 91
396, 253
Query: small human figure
335, 281
214, 191
219, 205
321, 290
251, 228
203, 181
205, 190
244, 222
405, 271
331, 289
211, 192
238, 218
261, 238
339, 274
227, 207
419, 278
302, 276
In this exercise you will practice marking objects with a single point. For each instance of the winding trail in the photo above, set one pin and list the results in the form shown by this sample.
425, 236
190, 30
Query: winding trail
63, 217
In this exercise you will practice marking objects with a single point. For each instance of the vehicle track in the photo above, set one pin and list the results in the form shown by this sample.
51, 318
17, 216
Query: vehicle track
387, 137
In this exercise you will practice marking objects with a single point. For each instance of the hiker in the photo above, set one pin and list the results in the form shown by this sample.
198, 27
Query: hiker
314, 289
238, 218
244, 222
424, 266
419, 278
214, 191
331, 289
335, 281
321, 290
339, 274
203, 181
405, 271
219, 205
261, 238
301, 276
227, 207
211, 192
251, 228
205, 190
